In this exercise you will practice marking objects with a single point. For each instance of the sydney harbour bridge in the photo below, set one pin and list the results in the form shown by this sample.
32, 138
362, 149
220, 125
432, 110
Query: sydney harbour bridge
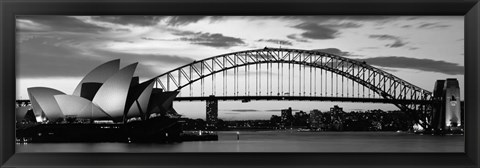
301, 75
280, 74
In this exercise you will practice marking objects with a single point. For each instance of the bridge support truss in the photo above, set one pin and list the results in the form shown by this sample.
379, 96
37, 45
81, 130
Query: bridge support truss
291, 72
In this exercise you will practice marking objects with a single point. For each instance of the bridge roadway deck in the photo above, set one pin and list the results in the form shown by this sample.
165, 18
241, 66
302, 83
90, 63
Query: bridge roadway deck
304, 98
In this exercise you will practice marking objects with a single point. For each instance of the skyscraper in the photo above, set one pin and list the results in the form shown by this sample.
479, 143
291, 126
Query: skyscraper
286, 117
212, 112
315, 119
337, 117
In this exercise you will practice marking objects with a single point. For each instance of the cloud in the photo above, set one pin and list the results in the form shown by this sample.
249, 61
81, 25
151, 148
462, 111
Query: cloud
276, 41
368, 48
148, 63
201, 38
339, 18
432, 25
344, 25
426, 25
383, 37
123, 41
364, 17
388, 69
208, 39
187, 19
159, 39
296, 38
244, 110
56, 24
315, 31
418, 64
122, 30
28, 25
153, 20
397, 42
238, 111
231, 113
130, 20
40, 57
163, 59
152, 39
334, 51
279, 110
147, 38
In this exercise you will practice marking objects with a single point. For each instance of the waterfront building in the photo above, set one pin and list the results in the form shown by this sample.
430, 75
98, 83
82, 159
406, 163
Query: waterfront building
212, 113
106, 93
286, 118
315, 119
275, 121
44, 103
336, 109
300, 114
337, 118
300, 119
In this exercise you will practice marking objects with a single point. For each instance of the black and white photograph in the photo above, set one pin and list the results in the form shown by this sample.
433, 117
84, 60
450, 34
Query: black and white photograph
196, 83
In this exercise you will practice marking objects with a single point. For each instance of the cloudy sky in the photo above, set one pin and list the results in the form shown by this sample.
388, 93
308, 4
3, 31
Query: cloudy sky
57, 51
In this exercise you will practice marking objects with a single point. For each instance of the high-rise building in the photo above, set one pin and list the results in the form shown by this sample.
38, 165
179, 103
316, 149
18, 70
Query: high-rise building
315, 119
212, 112
337, 117
335, 109
300, 114
300, 119
286, 118
287, 115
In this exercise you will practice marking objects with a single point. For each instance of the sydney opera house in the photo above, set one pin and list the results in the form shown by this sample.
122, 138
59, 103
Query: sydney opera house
109, 104
106, 94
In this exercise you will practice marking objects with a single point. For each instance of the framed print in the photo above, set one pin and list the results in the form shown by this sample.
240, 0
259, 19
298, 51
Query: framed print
252, 83
264, 89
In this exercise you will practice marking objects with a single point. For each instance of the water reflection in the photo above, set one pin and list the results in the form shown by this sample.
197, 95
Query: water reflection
273, 141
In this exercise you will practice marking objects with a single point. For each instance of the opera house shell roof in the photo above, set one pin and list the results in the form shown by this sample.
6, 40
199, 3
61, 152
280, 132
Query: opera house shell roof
105, 93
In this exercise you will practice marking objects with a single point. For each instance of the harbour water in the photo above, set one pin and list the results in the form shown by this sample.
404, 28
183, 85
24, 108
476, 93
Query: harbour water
276, 141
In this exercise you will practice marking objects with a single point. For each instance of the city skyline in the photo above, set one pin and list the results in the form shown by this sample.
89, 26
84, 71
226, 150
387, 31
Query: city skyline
418, 49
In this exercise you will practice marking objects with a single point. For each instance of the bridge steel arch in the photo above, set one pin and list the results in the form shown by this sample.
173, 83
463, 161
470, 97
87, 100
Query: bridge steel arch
385, 84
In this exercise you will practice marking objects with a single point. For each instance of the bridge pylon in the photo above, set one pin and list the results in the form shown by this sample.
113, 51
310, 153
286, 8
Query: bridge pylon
446, 116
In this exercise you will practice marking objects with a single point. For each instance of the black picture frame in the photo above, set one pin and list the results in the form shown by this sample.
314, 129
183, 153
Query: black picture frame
470, 9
